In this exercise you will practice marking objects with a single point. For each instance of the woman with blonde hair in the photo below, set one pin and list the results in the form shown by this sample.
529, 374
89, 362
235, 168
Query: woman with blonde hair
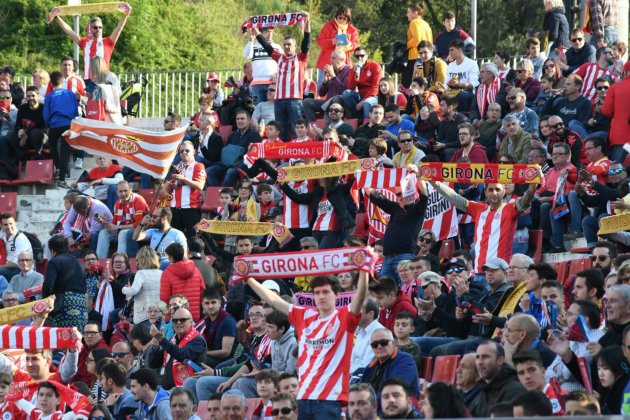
526, 81
41, 78
107, 88
145, 289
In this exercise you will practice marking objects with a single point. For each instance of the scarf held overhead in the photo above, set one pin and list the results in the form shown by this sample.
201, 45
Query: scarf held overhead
292, 264
273, 20
78, 402
480, 173
384, 178
32, 338
326, 170
24, 311
280, 232
303, 150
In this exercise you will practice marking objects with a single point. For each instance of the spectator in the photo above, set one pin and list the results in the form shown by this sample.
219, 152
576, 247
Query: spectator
338, 34
602, 256
470, 148
448, 129
362, 89
551, 68
86, 219
500, 379
214, 92
233, 401
491, 89
571, 106
7, 73
468, 381
60, 109
160, 234
264, 112
525, 79
561, 134
451, 33
555, 22
145, 288
284, 406
532, 403
391, 301
523, 332
579, 403
517, 142
462, 76
613, 379
588, 285
619, 115
26, 278
488, 130
209, 141
537, 58
396, 400
152, 401
531, 374
113, 381
100, 181
435, 69
502, 61
15, 243
597, 125
71, 81
395, 124
618, 52
408, 154
527, 118
443, 401
92, 340
107, 88
218, 329
335, 117
418, 31
264, 68
578, 54
182, 276
334, 83
366, 135
362, 353
29, 125
362, 402
419, 96
591, 72
290, 83
602, 22
187, 344
388, 94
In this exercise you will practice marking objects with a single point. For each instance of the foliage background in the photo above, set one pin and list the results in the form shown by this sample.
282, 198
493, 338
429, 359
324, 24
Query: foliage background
204, 34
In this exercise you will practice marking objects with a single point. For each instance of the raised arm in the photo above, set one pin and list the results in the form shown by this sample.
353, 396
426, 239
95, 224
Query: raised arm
525, 201
126, 9
67, 29
270, 297
457, 200
360, 295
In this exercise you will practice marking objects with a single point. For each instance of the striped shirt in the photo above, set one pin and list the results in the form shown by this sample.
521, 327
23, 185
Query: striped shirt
185, 197
590, 72
325, 349
73, 83
92, 48
298, 216
290, 84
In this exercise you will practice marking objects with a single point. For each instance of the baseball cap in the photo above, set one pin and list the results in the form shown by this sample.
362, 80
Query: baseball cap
495, 263
456, 262
8, 70
213, 76
271, 285
274, 212
429, 277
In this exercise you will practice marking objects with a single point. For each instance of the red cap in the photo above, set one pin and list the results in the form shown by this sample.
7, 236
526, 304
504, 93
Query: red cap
212, 76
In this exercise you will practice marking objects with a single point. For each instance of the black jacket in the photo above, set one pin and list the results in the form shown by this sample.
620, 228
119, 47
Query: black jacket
446, 320
555, 22
212, 151
504, 388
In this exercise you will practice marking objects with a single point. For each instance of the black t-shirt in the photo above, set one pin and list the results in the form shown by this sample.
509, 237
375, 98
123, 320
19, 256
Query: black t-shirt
28, 118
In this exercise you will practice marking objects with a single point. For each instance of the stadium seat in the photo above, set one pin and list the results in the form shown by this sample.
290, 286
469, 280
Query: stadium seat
535, 243
562, 268
446, 250
426, 368
41, 267
445, 369
147, 194
361, 229
354, 123
321, 123
225, 131
211, 200
37, 172
8, 202
578, 265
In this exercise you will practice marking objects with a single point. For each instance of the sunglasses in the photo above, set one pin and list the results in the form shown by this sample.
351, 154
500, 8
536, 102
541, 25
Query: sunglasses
119, 354
97, 27
382, 343
169, 121
550, 66
602, 87
615, 171
359, 56
271, 90
336, 110
308, 247
283, 410
97, 418
425, 240
5, 97
560, 124
404, 140
185, 151
601, 258
180, 320
577, 39
511, 98
454, 270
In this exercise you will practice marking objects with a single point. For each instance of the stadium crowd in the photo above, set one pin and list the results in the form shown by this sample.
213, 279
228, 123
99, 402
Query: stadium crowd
483, 329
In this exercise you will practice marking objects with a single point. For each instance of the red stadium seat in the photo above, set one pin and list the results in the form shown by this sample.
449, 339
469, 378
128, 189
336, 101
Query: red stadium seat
445, 369
426, 368
361, 229
37, 172
446, 250
321, 124
562, 268
576, 266
8, 202
535, 243
252, 403
147, 194
353, 122
211, 200
225, 131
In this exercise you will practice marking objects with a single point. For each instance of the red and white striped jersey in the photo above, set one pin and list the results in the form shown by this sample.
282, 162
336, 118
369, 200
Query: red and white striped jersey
327, 220
130, 212
185, 197
290, 84
494, 231
92, 48
325, 347
73, 83
440, 216
298, 216
590, 72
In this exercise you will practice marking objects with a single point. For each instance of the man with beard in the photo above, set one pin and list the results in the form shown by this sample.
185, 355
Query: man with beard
561, 134
526, 117
160, 234
590, 72
588, 285
501, 382
470, 148
29, 125
362, 402
603, 255
572, 105
396, 401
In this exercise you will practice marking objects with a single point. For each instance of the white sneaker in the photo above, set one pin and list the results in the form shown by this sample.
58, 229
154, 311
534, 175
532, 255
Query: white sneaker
78, 164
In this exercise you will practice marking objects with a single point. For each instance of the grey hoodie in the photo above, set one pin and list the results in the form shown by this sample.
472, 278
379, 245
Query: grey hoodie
283, 357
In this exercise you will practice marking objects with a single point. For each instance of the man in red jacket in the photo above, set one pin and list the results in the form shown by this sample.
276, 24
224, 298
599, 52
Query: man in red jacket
616, 107
470, 148
364, 77
391, 301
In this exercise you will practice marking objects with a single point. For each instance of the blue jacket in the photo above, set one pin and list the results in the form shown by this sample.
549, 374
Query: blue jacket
401, 366
159, 410
60, 108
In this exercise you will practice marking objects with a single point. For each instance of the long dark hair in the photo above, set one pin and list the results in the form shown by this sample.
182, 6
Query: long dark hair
446, 401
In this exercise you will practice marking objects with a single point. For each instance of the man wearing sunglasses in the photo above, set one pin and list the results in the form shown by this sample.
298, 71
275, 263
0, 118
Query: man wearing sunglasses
603, 255
186, 345
284, 407
362, 89
590, 72
578, 54
561, 134
527, 118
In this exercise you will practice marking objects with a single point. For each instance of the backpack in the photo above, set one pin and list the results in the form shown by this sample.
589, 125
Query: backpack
36, 244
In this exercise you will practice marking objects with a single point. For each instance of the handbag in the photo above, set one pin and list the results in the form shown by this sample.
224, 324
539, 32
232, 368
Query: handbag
231, 154
95, 109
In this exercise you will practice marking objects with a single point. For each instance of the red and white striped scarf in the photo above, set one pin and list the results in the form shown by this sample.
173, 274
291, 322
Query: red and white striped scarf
383, 178
487, 94
273, 20
33, 338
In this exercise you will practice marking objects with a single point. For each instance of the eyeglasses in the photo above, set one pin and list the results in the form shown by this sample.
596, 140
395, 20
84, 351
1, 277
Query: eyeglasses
185, 151
602, 87
91, 259
404, 140
601, 258
558, 125
520, 70
180, 320
97, 27
577, 39
271, 90
336, 110
615, 171
10, 299
5, 97
382, 343
25, 259
308, 247
119, 354
457, 269
514, 267
91, 333
169, 121
283, 410
558, 154
534, 156
425, 240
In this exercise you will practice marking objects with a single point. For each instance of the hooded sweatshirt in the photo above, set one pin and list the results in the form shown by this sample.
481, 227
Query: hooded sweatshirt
183, 277
159, 410
403, 302
282, 352
477, 154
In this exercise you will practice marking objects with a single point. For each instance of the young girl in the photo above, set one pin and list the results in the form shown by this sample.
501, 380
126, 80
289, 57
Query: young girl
348, 281
612, 371
387, 94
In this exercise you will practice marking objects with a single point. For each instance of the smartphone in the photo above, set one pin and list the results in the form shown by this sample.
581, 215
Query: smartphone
5, 104
380, 133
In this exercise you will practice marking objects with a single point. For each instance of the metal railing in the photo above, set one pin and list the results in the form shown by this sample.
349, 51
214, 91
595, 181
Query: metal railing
178, 91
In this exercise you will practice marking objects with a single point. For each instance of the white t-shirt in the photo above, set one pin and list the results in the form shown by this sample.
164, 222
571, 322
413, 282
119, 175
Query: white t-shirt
22, 244
467, 71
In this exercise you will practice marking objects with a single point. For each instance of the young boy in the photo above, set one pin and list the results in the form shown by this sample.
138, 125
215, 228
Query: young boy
546, 84
8, 406
267, 387
537, 58
47, 403
301, 131
265, 195
403, 328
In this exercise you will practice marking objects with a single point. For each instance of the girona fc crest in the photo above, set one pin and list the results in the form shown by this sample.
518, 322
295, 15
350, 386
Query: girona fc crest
241, 268
124, 144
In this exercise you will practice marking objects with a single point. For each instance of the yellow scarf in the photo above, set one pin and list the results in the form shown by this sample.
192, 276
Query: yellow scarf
252, 210
408, 158
509, 306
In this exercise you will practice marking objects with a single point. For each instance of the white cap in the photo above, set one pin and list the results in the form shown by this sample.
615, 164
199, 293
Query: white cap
271, 285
